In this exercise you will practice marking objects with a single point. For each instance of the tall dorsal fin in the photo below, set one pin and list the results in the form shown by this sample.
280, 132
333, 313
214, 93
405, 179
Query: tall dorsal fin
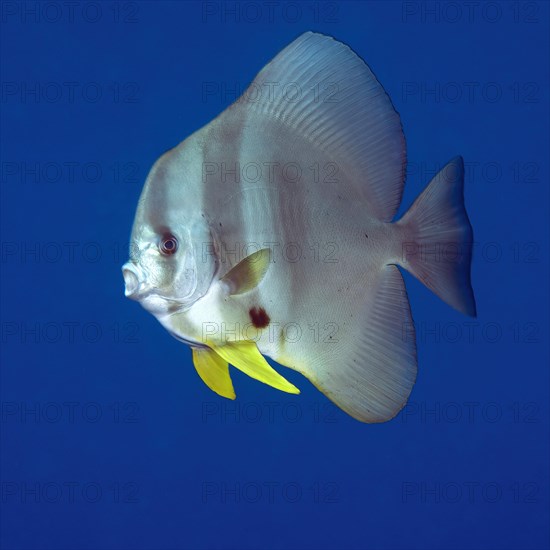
330, 97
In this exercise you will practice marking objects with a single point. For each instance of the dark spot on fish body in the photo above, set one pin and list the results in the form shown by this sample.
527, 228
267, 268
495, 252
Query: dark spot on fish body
259, 317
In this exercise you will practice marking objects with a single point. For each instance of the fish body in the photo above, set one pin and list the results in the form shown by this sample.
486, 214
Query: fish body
270, 232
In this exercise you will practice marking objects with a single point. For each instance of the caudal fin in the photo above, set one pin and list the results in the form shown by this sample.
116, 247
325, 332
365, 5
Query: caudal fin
437, 239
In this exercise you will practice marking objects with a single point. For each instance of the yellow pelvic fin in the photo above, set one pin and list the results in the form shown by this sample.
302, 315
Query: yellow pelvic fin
214, 371
245, 356
248, 273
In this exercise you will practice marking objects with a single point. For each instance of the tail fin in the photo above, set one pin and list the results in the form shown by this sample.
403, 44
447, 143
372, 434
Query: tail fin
437, 239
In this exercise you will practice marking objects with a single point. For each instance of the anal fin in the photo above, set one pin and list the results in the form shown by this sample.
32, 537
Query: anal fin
371, 371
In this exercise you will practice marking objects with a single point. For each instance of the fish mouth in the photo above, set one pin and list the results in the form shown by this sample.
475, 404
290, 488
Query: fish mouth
135, 286
153, 301
132, 284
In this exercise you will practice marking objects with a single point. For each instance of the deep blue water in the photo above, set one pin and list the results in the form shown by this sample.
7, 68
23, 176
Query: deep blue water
109, 440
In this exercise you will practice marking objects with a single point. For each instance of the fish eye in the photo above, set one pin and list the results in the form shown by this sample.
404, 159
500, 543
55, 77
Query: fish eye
168, 245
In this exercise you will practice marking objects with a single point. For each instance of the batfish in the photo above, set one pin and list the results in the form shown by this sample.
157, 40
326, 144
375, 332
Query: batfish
270, 232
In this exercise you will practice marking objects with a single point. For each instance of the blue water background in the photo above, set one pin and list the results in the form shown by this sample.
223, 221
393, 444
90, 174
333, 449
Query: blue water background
149, 458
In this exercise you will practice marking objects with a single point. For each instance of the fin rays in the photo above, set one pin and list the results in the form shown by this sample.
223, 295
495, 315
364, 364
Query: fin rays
212, 366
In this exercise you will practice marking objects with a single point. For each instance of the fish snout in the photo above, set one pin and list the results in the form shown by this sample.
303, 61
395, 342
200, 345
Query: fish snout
132, 280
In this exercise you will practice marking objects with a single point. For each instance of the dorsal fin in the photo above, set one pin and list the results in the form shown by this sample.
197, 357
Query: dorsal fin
330, 97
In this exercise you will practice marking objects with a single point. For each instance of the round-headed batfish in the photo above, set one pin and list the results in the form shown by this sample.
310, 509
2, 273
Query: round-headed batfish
270, 232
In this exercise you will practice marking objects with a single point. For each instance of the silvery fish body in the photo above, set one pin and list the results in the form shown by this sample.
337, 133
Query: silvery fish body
269, 232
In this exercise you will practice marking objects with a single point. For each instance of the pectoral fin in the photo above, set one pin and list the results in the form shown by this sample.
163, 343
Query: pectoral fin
214, 371
248, 273
245, 356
